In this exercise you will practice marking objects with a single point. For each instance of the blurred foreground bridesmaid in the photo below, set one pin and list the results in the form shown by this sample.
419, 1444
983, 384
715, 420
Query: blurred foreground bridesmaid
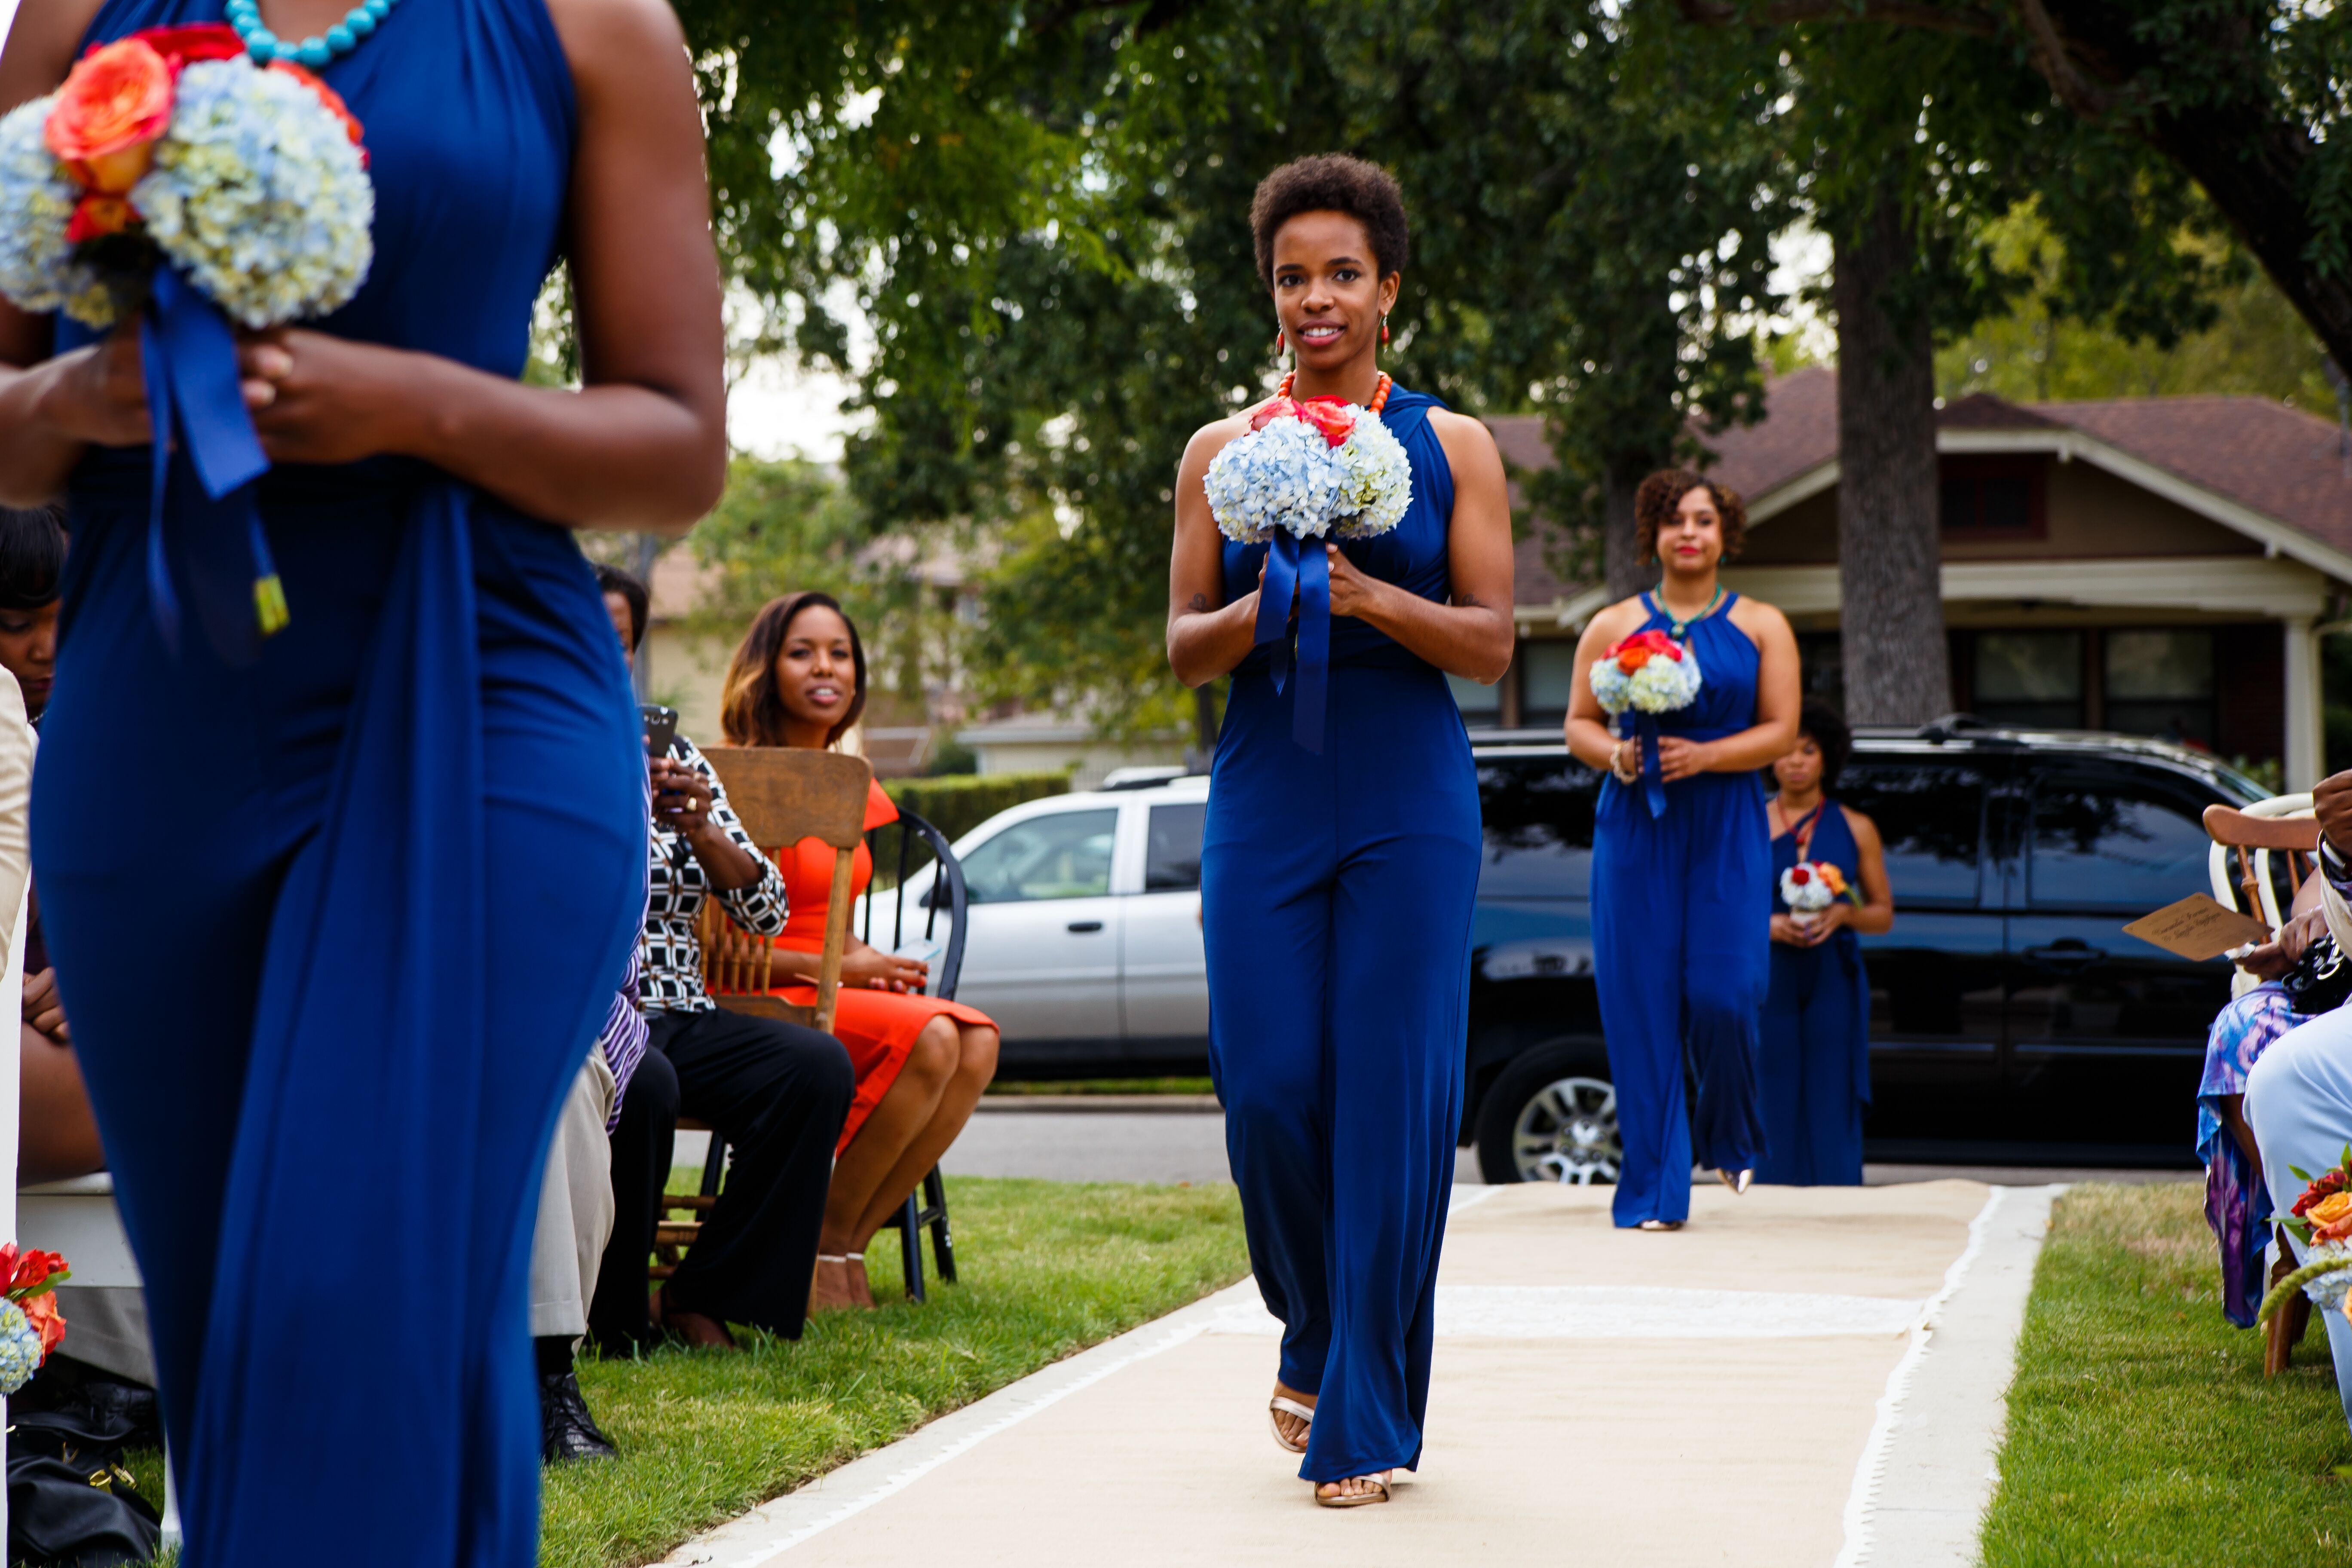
400, 845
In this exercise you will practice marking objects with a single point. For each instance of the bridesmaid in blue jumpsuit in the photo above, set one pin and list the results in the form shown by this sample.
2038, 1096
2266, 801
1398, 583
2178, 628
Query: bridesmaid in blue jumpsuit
1814, 1065
1340, 860
1680, 857
337, 913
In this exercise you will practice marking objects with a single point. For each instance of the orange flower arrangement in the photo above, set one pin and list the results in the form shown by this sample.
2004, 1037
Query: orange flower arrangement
105, 121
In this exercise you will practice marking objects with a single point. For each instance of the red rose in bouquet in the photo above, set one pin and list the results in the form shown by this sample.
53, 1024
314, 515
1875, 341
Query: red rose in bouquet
1642, 646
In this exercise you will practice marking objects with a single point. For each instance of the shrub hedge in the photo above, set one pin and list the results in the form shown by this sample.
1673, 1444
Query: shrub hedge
955, 803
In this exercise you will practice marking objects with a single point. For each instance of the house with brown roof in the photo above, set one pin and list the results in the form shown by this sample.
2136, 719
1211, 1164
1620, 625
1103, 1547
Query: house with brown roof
2159, 566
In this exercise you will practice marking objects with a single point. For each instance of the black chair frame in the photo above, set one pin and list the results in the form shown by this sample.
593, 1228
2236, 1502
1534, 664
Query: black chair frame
947, 887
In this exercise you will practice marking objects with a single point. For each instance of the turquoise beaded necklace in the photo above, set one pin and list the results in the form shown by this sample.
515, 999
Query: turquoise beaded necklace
265, 45
1681, 628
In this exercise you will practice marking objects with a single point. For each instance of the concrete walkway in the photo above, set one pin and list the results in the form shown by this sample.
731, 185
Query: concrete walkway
1757, 1389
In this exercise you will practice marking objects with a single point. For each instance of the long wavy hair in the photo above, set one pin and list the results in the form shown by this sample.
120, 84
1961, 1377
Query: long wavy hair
751, 709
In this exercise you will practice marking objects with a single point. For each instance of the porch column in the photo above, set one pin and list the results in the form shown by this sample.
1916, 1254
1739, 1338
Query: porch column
2305, 753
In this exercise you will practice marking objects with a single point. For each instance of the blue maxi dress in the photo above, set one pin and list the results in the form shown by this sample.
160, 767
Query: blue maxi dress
337, 926
1337, 890
1812, 1078
1678, 954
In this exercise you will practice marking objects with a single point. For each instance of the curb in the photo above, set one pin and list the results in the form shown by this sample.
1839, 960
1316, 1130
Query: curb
1099, 1104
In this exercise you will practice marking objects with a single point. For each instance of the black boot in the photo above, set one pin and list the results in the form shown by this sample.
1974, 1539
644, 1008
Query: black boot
566, 1430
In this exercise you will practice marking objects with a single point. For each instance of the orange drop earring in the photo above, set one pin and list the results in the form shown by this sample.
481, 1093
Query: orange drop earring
1384, 329
1277, 343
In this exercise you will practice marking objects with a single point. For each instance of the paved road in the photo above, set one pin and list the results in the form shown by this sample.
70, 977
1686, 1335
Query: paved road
1083, 1144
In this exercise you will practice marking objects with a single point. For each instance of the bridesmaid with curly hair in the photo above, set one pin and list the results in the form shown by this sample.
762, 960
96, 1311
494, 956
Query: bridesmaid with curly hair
1679, 955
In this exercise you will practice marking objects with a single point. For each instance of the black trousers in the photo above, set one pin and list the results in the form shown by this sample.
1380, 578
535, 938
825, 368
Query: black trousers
778, 1094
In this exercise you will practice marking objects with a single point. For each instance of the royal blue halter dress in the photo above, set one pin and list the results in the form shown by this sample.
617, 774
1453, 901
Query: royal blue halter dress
336, 927
1813, 1075
1335, 891
1678, 952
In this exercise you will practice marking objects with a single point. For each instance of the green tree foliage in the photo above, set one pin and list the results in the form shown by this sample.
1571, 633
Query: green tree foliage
789, 527
2256, 346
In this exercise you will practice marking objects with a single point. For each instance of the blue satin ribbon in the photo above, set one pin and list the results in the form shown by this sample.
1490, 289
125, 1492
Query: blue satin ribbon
198, 408
1299, 571
1654, 774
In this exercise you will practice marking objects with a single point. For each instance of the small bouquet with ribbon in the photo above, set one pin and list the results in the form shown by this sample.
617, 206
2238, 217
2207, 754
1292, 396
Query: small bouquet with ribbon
174, 176
2322, 1220
1809, 887
1305, 469
30, 1324
1647, 674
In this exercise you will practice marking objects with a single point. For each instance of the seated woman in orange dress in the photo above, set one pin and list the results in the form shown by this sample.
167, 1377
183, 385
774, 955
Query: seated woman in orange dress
799, 680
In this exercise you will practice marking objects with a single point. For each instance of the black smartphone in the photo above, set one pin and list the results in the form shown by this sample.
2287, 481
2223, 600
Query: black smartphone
661, 728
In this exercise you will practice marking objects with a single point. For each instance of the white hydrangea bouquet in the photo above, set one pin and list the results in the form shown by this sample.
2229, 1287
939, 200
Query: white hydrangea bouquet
1647, 674
172, 147
1310, 467
1809, 887
172, 175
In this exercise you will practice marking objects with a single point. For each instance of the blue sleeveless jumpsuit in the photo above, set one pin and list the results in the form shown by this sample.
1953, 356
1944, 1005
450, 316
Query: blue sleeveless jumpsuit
1336, 892
1813, 1073
336, 928
1678, 952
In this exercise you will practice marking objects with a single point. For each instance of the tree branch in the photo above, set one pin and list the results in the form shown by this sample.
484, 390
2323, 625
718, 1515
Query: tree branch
2075, 89
1965, 20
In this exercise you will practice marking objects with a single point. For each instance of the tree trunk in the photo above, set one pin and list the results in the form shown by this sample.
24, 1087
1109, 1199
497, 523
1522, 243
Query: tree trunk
1624, 570
1890, 595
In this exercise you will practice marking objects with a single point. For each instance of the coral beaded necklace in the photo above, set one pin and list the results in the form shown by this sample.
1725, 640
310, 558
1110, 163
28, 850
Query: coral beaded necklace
1380, 393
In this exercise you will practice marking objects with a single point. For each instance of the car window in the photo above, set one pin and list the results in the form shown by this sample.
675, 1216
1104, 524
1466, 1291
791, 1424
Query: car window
1930, 817
1171, 860
1066, 854
1539, 820
2113, 842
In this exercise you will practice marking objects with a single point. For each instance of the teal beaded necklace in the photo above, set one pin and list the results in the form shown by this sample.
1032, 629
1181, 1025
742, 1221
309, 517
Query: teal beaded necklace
1680, 629
265, 45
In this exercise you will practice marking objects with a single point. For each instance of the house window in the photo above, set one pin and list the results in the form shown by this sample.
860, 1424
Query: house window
1547, 682
1992, 498
2030, 679
1482, 706
2160, 682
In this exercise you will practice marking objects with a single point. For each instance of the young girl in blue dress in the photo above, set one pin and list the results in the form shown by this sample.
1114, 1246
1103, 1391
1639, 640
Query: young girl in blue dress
1678, 954
1813, 1072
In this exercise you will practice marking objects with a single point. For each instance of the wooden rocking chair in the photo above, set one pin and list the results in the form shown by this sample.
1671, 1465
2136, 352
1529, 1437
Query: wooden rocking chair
781, 796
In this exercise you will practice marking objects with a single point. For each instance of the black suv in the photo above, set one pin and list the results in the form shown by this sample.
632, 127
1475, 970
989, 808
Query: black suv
2011, 1019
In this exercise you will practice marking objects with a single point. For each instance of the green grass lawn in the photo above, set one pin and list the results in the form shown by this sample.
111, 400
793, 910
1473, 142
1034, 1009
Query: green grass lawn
1047, 1268
2141, 1429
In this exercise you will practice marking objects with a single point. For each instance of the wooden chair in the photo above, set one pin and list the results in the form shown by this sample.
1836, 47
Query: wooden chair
781, 796
2251, 838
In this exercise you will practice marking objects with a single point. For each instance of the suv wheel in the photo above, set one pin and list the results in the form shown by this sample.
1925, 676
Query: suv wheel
1548, 1118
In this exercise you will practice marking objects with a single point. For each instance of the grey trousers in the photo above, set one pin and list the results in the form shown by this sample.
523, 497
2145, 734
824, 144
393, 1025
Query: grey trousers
575, 1208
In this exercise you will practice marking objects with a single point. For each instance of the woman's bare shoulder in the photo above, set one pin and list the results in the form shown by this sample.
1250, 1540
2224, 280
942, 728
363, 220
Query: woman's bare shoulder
1858, 823
609, 43
1756, 616
1619, 621
1211, 438
41, 47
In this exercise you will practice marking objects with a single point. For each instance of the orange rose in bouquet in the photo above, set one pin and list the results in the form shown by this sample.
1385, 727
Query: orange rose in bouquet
105, 121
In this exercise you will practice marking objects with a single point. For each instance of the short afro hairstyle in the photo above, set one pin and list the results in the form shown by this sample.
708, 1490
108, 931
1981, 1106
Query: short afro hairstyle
1330, 182
1661, 493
